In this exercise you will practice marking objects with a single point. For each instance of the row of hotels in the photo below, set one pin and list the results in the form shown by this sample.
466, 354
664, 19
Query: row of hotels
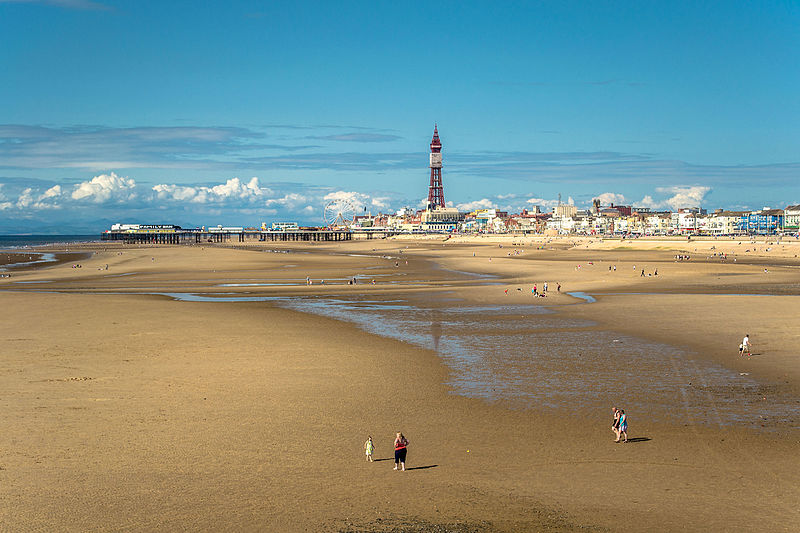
564, 219
598, 220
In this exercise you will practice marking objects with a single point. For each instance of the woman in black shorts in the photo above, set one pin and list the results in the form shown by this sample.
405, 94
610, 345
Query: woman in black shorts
400, 444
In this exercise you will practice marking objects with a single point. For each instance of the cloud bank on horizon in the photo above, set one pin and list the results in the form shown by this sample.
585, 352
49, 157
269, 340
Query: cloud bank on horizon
121, 198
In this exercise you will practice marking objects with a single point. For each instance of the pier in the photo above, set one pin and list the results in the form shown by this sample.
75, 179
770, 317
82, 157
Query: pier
180, 236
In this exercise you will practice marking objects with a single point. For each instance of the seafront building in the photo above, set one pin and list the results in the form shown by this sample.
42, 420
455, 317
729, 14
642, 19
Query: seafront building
724, 223
791, 218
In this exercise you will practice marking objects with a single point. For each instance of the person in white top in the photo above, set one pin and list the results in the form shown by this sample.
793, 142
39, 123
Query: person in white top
745, 346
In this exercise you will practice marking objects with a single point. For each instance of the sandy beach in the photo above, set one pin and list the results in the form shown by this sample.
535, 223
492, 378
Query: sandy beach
162, 388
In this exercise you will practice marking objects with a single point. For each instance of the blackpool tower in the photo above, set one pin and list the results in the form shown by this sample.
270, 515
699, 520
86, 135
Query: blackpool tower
435, 191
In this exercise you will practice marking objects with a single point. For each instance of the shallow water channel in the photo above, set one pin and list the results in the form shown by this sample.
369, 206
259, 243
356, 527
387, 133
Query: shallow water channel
531, 357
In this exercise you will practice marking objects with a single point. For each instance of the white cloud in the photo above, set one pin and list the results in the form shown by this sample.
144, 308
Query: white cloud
648, 201
483, 203
290, 200
570, 201
175, 192
4, 204
381, 202
52, 192
29, 198
25, 199
542, 202
684, 196
356, 198
359, 201
105, 187
232, 190
608, 198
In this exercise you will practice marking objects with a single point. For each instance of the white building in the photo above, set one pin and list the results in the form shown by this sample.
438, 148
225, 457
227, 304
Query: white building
561, 224
603, 225
688, 220
658, 224
723, 223
791, 218
124, 227
441, 219
282, 226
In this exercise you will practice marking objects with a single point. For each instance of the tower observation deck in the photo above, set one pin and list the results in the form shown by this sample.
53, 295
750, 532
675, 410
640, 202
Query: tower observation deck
436, 191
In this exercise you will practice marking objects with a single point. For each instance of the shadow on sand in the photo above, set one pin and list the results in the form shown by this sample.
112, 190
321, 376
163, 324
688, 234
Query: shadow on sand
384, 459
639, 439
421, 467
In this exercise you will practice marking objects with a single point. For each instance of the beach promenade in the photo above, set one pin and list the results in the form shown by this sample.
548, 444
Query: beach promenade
215, 388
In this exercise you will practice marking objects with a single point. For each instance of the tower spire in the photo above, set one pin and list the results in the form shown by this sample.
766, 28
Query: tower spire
435, 190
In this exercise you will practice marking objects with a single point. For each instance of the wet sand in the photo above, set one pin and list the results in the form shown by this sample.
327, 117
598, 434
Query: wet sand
11, 260
136, 411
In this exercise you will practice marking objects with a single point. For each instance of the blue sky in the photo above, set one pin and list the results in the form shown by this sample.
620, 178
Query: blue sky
199, 113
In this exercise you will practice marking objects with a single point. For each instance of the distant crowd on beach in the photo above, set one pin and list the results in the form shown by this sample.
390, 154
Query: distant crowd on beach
539, 292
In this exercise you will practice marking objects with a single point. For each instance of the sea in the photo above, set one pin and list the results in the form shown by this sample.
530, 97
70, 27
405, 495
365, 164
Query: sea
22, 241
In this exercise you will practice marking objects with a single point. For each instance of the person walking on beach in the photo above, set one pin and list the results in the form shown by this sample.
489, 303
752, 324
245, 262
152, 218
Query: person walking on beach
400, 450
615, 422
623, 426
745, 346
369, 447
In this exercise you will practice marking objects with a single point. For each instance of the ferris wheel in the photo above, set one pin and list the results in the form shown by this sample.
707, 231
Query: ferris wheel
339, 213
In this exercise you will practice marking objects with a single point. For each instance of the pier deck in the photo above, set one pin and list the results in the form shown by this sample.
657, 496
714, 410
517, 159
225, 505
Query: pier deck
199, 237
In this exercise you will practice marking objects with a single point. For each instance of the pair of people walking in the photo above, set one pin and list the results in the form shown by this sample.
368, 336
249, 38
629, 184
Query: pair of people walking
620, 424
744, 347
400, 451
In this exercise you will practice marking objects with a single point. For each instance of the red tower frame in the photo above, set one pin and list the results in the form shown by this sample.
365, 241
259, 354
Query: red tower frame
436, 191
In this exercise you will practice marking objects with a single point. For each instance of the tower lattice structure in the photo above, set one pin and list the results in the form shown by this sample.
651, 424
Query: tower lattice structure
436, 191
